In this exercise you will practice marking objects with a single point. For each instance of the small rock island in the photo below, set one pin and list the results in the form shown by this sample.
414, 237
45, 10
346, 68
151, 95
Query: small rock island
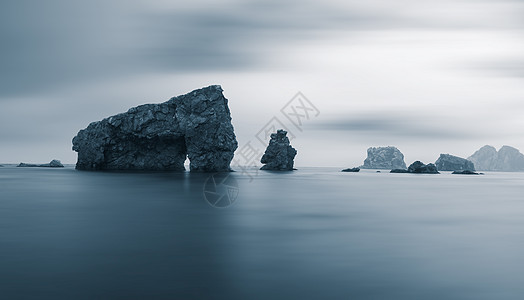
53, 164
506, 159
279, 155
351, 170
384, 158
447, 162
159, 137
418, 167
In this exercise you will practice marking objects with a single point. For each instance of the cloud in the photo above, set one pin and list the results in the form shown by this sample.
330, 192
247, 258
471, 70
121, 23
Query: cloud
416, 126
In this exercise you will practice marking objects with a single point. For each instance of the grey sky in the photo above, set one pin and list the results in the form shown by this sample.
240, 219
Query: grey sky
426, 76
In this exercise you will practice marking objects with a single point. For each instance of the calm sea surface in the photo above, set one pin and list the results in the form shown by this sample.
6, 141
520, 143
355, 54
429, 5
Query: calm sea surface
315, 233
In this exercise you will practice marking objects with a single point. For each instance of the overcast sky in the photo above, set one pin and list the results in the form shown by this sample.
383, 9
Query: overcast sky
426, 76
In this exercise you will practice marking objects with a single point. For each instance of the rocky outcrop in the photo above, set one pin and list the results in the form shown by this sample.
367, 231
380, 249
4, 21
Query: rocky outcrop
418, 168
507, 159
384, 158
351, 170
160, 136
279, 154
53, 164
466, 172
448, 162
399, 171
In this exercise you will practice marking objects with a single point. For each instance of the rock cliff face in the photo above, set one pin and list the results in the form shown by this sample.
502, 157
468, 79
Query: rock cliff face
53, 164
279, 154
160, 136
507, 159
448, 162
384, 158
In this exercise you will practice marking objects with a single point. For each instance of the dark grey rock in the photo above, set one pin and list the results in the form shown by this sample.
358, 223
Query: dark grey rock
466, 172
420, 168
279, 154
507, 159
53, 164
384, 158
399, 171
160, 136
448, 162
351, 170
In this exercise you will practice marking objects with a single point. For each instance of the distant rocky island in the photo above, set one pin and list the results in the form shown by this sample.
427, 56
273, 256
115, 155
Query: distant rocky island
352, 170
196, 125
53, 164
279, 154
507, 159
447, 162
418, 167
384, 158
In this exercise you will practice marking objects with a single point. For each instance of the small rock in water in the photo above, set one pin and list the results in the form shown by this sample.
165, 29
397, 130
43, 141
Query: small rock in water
279, 154
420, 168
53, 164
467, 172
351, 170
399, 171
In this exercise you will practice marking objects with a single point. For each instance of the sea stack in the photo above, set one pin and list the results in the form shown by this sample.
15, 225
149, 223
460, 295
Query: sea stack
196, 125
279, 153
448, 162
507, 159
384, 158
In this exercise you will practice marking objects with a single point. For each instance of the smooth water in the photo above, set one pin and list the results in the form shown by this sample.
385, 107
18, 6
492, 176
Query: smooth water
315, 233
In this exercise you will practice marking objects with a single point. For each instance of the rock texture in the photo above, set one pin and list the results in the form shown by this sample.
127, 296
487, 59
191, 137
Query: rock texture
384, 158
160, 136
448, 162
279, 154
53, 164
351, 170
507, 159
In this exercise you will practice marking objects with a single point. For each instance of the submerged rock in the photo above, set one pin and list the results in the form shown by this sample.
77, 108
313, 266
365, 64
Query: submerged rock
448, 162
351, 170
420, 168
53, 164
384, 158
467, 172
507, 159
160, 136
279, 154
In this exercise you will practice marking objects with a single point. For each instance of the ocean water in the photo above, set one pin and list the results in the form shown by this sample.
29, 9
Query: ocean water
315, 233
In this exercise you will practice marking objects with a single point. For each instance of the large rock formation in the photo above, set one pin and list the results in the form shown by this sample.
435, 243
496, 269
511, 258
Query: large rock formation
384, 158
279, 154
448, 162
160, 136
507, 159
53, 164
418, 168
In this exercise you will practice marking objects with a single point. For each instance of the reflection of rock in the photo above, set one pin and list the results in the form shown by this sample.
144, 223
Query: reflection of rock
466, 172
160, 136
384, 158
279, 154
53, 164
448, 162
351, 170
506, 159
419, 167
